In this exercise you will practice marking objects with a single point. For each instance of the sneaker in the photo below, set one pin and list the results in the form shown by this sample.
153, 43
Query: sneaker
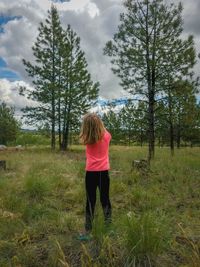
84, 237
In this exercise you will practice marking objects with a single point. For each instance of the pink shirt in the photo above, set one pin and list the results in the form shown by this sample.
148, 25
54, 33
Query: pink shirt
97, 154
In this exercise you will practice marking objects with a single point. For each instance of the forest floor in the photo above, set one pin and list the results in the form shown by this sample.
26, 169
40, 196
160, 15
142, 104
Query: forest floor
156, 213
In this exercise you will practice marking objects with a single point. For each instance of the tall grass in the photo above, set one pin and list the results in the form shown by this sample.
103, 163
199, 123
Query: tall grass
188, 247
144, 236
36, 187
42, 199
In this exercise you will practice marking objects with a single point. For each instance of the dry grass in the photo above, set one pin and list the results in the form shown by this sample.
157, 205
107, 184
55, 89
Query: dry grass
42, 202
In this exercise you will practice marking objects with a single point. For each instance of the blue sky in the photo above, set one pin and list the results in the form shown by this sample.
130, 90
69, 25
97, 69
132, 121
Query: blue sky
6, 19
5, 72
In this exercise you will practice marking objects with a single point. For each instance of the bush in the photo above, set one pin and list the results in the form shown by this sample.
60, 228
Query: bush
30, 138
9, 126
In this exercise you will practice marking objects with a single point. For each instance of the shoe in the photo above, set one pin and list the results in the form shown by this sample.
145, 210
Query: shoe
84, 237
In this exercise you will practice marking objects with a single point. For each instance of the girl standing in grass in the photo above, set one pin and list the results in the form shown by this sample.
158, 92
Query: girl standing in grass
97, 139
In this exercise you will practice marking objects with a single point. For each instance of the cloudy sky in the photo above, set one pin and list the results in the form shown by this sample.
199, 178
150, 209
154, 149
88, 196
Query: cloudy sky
95, 21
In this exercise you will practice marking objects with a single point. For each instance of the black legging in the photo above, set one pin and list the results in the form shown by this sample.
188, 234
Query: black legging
94, 179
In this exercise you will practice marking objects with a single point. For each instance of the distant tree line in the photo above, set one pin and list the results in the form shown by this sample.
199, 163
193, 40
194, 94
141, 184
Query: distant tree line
177, 126
9, 126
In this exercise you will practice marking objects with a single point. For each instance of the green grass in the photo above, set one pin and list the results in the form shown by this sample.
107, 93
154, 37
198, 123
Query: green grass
155, 216
144, 236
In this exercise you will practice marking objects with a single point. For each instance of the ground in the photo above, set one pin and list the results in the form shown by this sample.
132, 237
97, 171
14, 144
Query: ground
155, 213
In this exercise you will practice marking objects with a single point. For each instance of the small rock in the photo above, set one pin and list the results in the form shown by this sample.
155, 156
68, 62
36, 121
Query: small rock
3, 147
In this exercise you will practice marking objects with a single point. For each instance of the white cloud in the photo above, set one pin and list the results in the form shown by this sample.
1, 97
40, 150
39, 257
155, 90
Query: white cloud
9, 93
94, 25
95, 21
16, 43
94, 33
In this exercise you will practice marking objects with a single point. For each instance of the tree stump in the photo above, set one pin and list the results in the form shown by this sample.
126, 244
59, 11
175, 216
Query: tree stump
2, 165
141, 165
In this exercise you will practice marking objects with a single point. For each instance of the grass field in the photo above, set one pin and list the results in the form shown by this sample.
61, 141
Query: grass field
156, 215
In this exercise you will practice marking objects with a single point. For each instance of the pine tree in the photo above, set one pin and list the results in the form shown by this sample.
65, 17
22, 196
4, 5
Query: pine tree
185, 110
178, 64
177, 117
78, 91
45, 74
149, 31
63, 88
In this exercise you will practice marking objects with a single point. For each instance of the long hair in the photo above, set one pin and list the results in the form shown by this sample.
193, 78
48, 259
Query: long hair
92, 129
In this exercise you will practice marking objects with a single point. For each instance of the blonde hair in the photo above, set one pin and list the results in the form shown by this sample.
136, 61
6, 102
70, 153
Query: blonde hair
92, 129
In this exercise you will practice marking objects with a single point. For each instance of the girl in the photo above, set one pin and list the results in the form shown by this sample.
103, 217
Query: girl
96, 138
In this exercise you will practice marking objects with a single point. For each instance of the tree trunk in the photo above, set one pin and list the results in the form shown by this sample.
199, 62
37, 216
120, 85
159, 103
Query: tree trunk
59, 106
68, 102
151, 129
172, 138
53, 136
141, 138
171, 123
178, 137
70, 137
66, 131
63, 143
65, 139
59, 124
179, 129
129, 136
152, 92
151, 89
